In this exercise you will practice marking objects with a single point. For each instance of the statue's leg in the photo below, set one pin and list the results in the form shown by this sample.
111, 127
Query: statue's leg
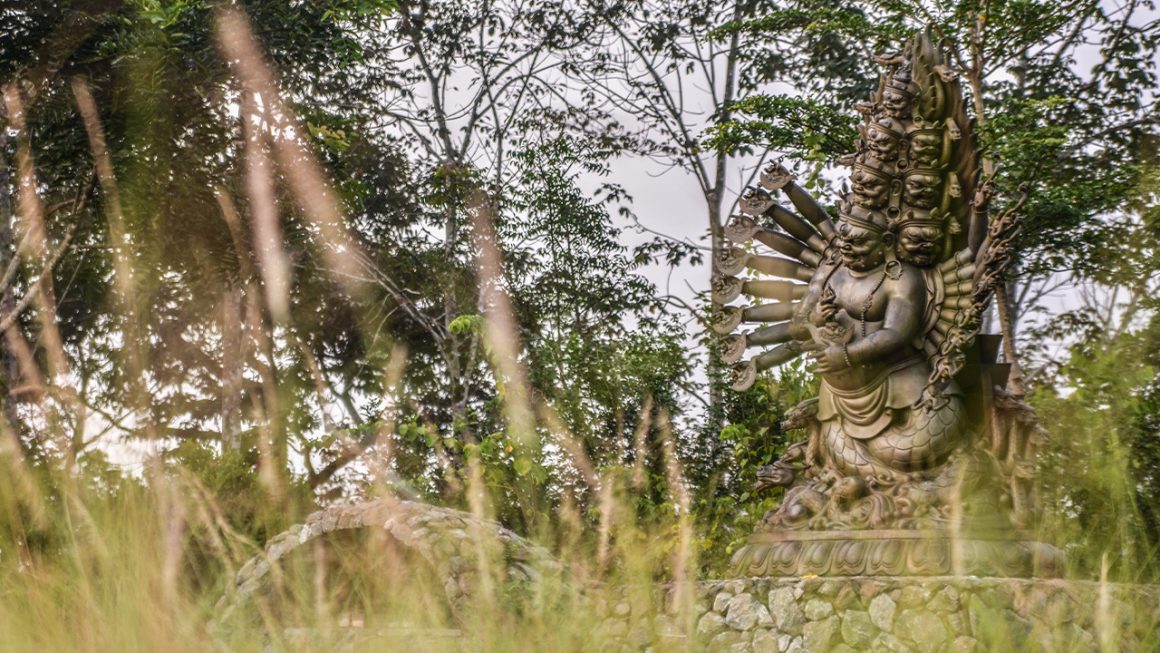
920, 438
846, 455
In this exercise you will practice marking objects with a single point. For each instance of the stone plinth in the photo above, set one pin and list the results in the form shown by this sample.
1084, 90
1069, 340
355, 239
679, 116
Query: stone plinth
896, 553
927, 615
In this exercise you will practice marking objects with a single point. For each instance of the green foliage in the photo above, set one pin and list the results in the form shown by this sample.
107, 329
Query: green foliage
755, 438
1099, 468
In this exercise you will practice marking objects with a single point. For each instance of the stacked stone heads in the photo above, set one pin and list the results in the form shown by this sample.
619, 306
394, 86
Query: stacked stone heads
915, 166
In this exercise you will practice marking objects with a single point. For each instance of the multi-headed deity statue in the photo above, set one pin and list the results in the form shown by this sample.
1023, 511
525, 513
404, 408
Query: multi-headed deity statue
905, 468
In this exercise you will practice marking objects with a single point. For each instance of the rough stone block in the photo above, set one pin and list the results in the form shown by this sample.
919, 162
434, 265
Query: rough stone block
882, 610
964, 644
765, 641
817, 609
946, 601
921, 628
786, 613
720, 601
914, 596
730, 642
857, 629
710, 624
743, 613
888, 642
821, 635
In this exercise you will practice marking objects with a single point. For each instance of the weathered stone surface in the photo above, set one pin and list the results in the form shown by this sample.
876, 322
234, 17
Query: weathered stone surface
882, 610
914, 596
736, 586
830, 588
956, 622
787, 615
948, 615
730, 642
945, 601
710, 624
743, 613
888, 642
820, 635
964, 644
765, 641
857, 630
613, 628
907, 629
921, 628
817, 609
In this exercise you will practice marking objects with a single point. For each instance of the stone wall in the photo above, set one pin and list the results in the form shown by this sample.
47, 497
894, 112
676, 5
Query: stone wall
761, 615
768, 615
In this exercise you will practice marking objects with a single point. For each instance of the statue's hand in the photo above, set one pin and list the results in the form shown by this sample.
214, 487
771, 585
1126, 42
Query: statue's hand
831, 359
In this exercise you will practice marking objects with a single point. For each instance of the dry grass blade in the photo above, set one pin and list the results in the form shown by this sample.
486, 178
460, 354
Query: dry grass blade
273, 264
308, 183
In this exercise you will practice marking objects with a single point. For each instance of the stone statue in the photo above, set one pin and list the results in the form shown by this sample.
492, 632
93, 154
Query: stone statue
896, 474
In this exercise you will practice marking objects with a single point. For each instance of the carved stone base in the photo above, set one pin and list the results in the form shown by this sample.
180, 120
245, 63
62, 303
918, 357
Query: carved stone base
896, 553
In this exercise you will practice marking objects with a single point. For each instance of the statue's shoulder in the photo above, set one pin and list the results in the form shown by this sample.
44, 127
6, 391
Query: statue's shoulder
825, 269
905, 277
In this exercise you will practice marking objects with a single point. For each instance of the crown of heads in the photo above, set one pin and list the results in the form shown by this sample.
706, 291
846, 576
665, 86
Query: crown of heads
858, 216
924, 170
937, 132
900, 79
869, 163
922, 218
885, 125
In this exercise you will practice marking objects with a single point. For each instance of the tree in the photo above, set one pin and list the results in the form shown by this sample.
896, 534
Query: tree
665, 73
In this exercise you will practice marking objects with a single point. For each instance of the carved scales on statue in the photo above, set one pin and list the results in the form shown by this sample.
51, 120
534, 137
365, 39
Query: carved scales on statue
904, 469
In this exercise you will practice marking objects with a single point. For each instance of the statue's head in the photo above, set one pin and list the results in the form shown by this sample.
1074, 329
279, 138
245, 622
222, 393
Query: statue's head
926, 148
897, 96
920, 238
871, 187
922, 188
882, 136
862, 238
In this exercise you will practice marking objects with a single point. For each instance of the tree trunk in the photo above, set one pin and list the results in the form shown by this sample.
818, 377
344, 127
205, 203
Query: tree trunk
9, 368
232, 364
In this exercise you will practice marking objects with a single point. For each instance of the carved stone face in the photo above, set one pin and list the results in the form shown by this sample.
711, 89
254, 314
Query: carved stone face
870, 190
922, 190
882, 143
896, 103
861, 249
925, 148
920, 245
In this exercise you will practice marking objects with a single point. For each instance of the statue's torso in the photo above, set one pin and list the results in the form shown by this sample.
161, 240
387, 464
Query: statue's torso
862, 302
